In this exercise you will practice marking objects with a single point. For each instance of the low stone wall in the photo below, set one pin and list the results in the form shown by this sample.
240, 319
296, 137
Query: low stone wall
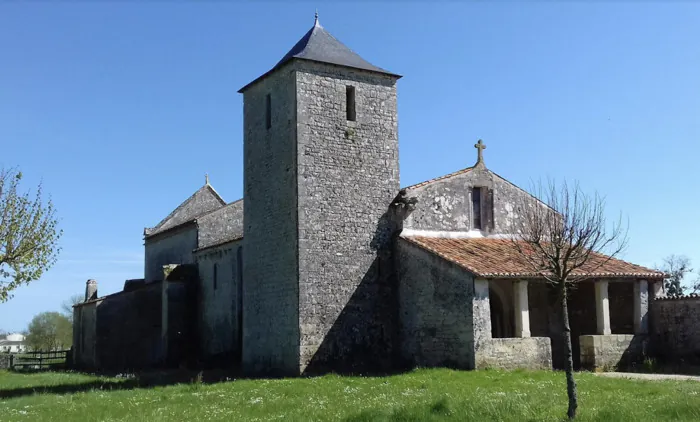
675, 329
5, 360
612, 351
513, 353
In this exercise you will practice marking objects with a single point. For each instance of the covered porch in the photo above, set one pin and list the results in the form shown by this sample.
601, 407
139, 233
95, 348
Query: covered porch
515, 313
608, 317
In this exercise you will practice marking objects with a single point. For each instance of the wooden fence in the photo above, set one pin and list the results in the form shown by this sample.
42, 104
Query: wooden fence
55, 359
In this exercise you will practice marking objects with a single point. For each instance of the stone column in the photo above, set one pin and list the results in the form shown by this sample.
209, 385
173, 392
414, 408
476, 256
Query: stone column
641, 307
657, 290
481, 312
602, 307
522, 311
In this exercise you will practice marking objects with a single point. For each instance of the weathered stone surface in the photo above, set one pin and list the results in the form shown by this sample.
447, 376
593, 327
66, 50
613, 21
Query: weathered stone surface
173, 247
347, 176
481, 312
85, 335
220, 304
128, 330
675, 328
512, 353
436, 321
446, 204
119, 331
270, 264
317, 188
609, 351
145, 327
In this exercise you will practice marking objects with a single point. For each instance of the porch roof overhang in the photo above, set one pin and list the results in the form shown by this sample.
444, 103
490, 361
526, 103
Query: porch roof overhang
500, 258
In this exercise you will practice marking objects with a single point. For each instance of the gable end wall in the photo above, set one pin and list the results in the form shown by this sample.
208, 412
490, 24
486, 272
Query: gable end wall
445, 205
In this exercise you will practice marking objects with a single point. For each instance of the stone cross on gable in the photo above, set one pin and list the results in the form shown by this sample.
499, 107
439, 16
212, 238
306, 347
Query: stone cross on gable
480, 146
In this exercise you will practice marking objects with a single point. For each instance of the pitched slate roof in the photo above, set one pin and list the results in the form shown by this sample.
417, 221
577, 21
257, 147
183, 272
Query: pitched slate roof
320, 46
203, 201
220, 226
499, 258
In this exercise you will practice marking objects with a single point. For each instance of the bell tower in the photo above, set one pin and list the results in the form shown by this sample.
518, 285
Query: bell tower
320, 171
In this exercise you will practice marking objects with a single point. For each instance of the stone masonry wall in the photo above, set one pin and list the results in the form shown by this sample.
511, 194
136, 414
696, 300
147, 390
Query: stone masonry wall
615, 350
675, 324
128, 329
348, 174
169, 248
271, 323
178, 316
85, 335
446, 204
435, 310
219, 305
512, 353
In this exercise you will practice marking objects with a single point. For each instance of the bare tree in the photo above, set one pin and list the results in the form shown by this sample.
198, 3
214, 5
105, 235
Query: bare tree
565, 239
677, 267
28, 234
67, 305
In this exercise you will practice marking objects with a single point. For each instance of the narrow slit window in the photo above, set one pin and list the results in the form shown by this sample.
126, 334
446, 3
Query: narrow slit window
216, 275
268, 111
350, 102
476, 208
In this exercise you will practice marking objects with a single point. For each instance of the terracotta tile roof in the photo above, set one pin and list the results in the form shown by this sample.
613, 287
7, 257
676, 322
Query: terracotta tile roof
456, 173
490, 257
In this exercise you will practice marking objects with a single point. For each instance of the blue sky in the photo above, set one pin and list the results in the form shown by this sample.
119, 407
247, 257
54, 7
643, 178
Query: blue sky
121, 108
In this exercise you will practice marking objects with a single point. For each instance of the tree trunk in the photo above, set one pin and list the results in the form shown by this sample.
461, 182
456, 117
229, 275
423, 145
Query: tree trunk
570, 382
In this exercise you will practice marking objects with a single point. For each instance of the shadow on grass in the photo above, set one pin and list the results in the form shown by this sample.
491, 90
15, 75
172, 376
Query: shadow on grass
112, 381
154, 378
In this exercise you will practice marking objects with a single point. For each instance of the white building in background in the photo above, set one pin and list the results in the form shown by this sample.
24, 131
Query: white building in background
12, 343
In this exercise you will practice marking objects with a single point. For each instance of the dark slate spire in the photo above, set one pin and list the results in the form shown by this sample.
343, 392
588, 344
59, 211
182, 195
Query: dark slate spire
320, 46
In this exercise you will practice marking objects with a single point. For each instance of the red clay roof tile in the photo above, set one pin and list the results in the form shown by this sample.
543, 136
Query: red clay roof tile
492, 257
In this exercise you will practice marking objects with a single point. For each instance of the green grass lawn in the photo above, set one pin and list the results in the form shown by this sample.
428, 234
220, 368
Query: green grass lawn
431, 395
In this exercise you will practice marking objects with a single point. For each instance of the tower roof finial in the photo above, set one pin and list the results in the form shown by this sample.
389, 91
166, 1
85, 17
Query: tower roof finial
316, 18
206, 178
480, 146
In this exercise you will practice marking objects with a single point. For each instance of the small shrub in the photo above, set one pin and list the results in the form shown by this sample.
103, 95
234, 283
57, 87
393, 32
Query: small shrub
197, 381
649, 364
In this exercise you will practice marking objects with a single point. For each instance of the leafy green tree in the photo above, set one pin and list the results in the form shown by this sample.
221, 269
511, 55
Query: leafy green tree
50, 331
28, 234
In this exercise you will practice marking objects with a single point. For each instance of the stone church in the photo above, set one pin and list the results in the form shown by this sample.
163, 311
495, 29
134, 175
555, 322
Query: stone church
328, 264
